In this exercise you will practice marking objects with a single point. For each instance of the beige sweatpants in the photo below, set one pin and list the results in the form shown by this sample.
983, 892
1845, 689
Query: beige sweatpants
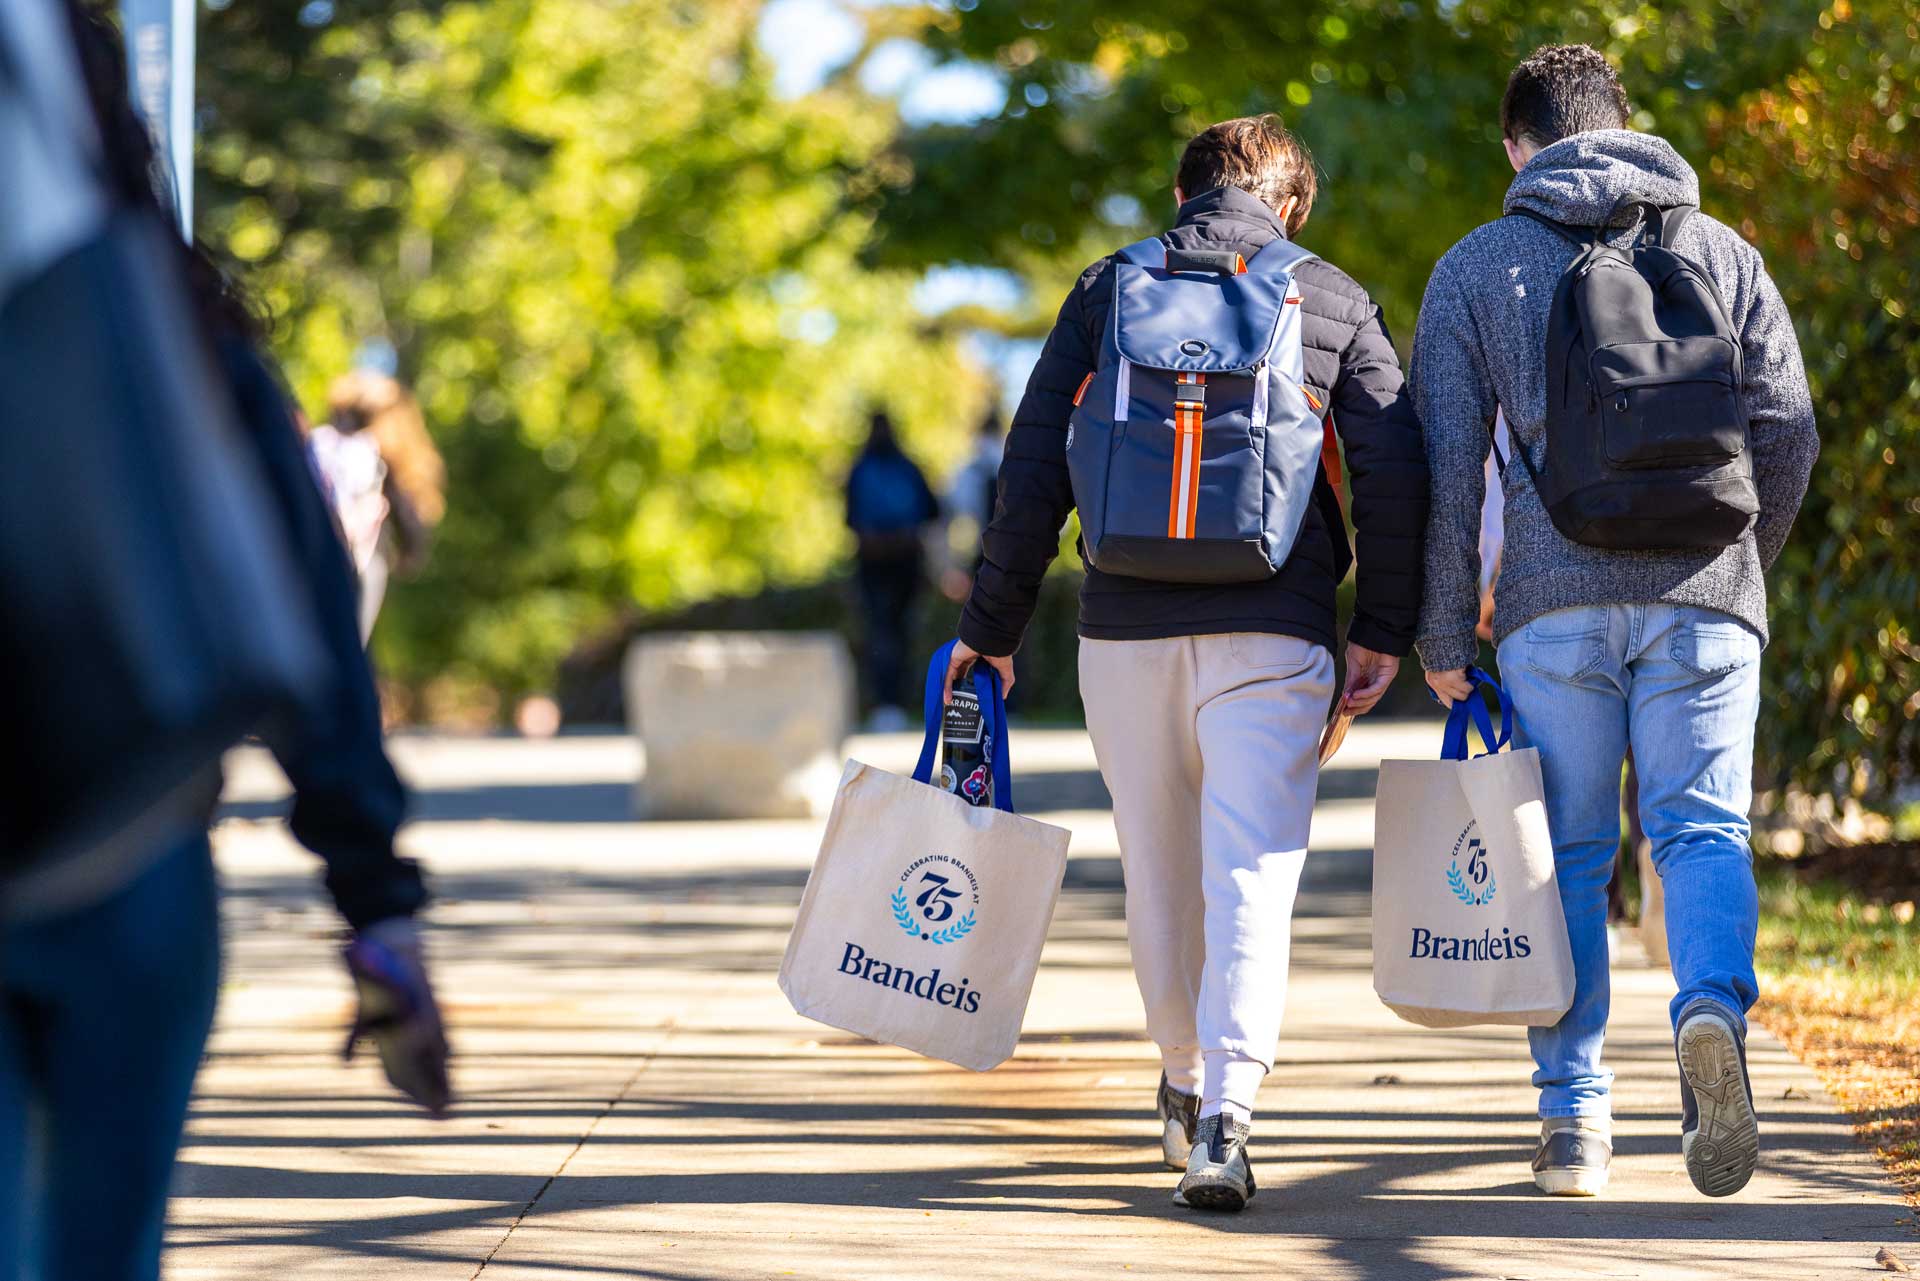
1208, 746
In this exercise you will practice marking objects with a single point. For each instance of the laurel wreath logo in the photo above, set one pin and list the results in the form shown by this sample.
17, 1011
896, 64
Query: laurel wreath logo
1458, 884
958, 930
903, 916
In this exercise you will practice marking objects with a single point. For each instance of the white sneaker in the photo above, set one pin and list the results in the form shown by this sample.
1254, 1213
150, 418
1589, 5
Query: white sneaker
1178, 1114
1719, 1133
1219, 1176
1573, 1156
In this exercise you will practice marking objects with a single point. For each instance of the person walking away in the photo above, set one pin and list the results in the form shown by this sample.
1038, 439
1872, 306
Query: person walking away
107, 996
1206, 663
1662, 440
385, 477
889, 510
969, 504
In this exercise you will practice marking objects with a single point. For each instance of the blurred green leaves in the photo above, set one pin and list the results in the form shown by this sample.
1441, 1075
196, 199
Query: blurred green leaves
644, 299
623, 277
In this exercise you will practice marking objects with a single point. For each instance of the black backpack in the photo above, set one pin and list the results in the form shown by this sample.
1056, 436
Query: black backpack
1646, 430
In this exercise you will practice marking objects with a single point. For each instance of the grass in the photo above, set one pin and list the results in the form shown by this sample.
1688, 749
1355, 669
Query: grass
1840, 984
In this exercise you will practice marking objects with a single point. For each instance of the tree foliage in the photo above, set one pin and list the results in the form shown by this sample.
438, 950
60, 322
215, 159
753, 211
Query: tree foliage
1799, 118
1828, 164
624, 277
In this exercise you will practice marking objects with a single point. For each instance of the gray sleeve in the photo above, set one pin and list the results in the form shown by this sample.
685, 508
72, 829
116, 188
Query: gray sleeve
1779, 410
1456, 403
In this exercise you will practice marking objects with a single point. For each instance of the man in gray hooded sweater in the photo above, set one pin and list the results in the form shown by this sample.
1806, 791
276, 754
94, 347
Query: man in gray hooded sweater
1604, 651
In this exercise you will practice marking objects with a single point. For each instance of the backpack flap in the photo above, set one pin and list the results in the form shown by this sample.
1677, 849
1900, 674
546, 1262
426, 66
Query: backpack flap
1200, 323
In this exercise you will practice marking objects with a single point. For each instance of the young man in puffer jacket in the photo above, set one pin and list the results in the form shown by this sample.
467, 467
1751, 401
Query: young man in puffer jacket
1205, 702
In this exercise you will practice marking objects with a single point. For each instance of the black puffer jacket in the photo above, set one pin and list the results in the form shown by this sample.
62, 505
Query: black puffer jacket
1350, 365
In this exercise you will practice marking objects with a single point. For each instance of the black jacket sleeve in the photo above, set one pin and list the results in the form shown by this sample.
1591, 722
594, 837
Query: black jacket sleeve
348, 802
1034, 494
1387, 478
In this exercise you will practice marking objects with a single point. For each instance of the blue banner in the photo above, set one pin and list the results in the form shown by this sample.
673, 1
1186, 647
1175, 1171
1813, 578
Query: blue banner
160, 72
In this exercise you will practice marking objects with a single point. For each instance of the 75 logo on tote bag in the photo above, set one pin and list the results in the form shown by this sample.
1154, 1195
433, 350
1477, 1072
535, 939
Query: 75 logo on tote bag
1469, 875
937, 899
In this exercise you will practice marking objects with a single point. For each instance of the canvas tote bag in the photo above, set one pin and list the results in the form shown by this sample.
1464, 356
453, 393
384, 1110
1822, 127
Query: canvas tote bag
1467, 923
923, 919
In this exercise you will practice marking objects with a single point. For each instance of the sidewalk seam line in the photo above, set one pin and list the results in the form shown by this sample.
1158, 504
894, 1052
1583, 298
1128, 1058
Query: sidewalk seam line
646, 1061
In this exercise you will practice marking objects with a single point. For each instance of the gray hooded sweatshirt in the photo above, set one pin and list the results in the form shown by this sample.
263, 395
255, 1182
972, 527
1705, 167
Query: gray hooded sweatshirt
1481, 345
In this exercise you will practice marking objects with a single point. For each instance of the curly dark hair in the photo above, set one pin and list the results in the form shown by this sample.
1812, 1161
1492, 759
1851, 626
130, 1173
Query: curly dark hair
1561, 90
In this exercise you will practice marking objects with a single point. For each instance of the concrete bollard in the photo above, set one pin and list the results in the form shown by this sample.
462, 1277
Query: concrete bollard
739, 724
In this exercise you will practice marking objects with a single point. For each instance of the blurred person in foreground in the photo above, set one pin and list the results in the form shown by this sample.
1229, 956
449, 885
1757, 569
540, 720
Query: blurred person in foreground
1206, 700
386, 480
1607, 647
890, 510
105, 1007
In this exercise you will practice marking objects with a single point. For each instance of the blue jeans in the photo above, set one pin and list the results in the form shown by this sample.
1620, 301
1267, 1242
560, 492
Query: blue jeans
1680, 685
104, 1013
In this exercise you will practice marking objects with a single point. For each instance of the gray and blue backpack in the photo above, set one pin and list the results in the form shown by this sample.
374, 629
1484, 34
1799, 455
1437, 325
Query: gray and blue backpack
1194, 445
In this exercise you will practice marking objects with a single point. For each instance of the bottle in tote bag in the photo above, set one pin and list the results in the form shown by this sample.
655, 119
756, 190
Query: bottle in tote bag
923, 919
1467, 922
967, 748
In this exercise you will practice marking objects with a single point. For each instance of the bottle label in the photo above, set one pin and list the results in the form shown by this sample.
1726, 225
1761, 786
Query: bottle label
963, 723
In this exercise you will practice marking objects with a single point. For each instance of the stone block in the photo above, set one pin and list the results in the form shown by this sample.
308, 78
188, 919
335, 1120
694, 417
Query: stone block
739, 724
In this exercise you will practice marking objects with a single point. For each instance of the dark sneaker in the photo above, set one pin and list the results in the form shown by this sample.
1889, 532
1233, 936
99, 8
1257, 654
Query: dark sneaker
1178, 1115
1719, 1133
1219, 1176
1573, 1157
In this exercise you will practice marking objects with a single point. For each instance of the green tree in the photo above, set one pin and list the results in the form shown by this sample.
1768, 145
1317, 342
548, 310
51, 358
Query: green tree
624, 277
1798, 117
1827, 162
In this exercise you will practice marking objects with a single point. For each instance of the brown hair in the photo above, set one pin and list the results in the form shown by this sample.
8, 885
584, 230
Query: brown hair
379, 405
1257, 155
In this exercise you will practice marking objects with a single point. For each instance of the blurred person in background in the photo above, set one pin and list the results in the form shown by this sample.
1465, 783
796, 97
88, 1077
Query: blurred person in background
890, 509
386, 479
106, 1004
969, 506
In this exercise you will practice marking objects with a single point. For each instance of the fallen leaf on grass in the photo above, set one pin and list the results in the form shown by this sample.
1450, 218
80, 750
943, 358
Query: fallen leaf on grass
1890, 1261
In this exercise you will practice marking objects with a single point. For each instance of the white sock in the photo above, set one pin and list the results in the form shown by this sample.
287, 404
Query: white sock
1229, 1083
1183, 1072
1227, 1108
1601, 1125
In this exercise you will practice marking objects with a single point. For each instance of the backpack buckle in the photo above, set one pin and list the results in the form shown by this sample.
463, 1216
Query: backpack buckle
1189, 394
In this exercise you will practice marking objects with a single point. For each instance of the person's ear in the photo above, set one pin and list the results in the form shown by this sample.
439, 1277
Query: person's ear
1179, 196
1286, 215
1518, 153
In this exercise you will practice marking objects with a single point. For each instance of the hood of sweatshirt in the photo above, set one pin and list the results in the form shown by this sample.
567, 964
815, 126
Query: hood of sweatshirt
1577, 180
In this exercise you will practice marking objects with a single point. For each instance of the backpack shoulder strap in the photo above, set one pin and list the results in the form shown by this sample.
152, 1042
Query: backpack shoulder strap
1151, 252
1279, 255
1559, 229
1672, 219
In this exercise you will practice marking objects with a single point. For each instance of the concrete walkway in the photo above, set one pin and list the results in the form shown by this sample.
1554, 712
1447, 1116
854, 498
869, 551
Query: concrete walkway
638, 1100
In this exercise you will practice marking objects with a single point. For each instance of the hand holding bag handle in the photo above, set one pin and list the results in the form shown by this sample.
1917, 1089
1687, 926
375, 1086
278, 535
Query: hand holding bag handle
993, 707
1453, 744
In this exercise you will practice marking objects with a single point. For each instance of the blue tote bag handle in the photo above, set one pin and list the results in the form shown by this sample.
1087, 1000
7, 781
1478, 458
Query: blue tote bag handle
1453, 745
993, 708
